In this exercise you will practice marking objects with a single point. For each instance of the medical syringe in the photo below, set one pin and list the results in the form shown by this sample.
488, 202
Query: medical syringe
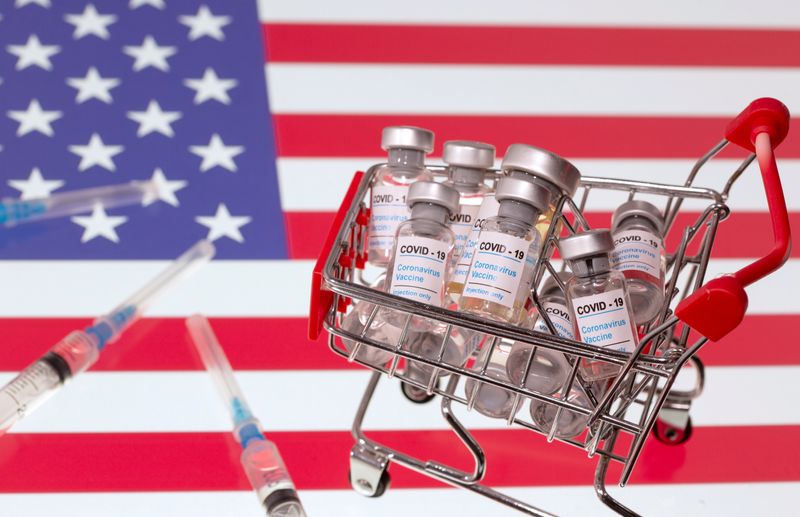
260, 458
81, 348
63, 204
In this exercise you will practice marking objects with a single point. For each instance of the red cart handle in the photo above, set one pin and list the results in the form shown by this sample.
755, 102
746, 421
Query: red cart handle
321, 298
719, 306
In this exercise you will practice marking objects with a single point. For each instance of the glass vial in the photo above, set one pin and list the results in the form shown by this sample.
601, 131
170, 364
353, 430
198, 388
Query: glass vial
598, 299
549, 369
489, 208
570, 424
556, 174
468, 164
355, 321
407, 147
490, 400
638, 230
500, 276
423, 250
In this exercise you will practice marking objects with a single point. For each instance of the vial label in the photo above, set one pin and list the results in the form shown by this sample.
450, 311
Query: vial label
603, 320
559, 317
388, 209
488, 208
497, 268
462, 224
419, 269
637, 250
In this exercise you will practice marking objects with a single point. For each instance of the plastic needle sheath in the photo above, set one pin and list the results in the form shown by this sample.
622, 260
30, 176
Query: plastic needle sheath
63, 204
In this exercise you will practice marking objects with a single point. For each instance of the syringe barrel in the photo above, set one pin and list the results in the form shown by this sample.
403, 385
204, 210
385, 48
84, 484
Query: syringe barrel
36, 383
63, 204
131, 309
216, 362
269, 477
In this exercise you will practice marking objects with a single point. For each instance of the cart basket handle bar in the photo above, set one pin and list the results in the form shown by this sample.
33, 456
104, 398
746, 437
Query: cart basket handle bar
322, 299
719, 306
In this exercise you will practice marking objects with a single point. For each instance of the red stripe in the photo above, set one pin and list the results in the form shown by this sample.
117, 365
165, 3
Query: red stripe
312, 43
319, 460
162, 344
571, 136
306, 232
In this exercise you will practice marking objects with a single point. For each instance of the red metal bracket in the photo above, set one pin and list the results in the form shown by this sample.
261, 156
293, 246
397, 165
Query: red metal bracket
321, 298
719, 306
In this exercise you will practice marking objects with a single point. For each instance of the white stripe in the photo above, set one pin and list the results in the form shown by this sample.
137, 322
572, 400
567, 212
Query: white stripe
90, 288
243, 288
698, 500
327, 400
525, 90
319, 184
661, 13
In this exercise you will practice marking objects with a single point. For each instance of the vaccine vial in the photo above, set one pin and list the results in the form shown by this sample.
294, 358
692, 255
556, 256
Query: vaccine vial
424, 245
570, 424
468, 164
499, 279
458, 277
356, 320
556, 174
549, 369
407, 147
598, 299
490, 400
459, 344
638, 230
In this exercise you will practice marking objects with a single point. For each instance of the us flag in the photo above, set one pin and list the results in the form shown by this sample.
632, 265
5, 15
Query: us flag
252, 117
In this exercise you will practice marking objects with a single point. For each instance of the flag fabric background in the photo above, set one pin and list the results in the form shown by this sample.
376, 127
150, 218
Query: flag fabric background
253, 117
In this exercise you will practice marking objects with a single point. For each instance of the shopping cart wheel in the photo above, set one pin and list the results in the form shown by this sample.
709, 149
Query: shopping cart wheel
415, 394
369, 471
365, 488
671, 435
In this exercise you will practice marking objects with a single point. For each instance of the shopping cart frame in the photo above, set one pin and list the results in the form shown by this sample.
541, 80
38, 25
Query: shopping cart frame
645, 379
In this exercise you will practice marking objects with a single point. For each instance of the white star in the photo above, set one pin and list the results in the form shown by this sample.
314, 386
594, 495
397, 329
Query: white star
211, 87
150, 54
93, 86
96, 153
216, 153
223, 224
135, 4
35, 187
90, 22
23, 3
164, 189
33, 53
99, 224
35, 119
204, 23
154, 120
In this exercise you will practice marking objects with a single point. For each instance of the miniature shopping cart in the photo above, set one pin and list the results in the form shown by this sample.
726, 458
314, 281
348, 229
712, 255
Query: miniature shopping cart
642, 400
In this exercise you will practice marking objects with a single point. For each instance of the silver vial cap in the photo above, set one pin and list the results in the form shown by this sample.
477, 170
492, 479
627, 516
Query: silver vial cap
543, 164
463, 153
638, 208
523, 191
434, 193
586, 244
407, 137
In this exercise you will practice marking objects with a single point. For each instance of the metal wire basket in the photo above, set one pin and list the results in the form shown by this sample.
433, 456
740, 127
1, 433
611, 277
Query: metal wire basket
641, 398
